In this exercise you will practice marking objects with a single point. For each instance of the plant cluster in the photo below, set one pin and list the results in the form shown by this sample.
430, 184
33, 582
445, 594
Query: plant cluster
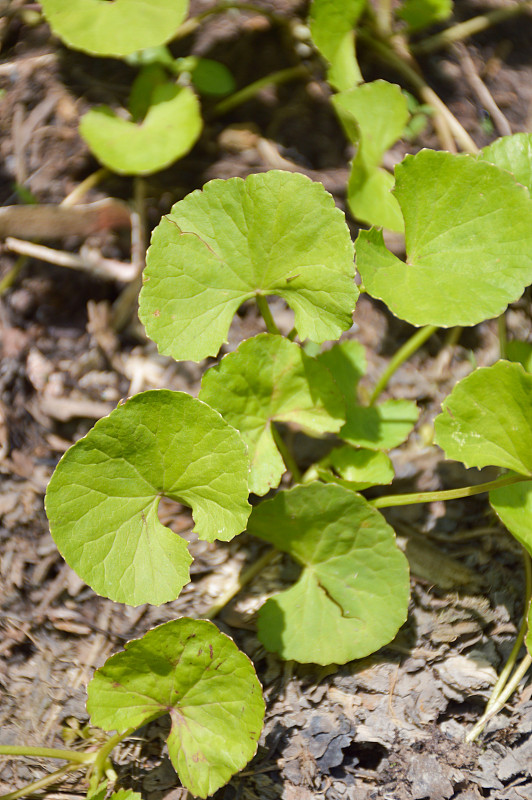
468, 238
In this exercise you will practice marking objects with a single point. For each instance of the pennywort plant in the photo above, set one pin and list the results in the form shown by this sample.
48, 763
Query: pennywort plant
468, 254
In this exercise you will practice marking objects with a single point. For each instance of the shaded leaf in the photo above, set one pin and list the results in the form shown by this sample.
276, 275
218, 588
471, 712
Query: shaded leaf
169, 130
419, 14
332, 24
374, 116
380, 427
103, 497
186, 668
487, 419
352, 595
270, 379
512, 153
276, 233
468, 242
117, 28
520, 352
354, 469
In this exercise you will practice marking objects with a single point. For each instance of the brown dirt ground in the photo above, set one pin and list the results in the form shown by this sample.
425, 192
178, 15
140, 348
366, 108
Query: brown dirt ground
391, 726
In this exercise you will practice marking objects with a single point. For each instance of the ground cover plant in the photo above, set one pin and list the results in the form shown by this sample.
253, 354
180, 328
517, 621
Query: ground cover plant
227, 455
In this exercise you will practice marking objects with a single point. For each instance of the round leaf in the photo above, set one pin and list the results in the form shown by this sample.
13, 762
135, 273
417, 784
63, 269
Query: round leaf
468, 242
513, 505
114, 28
512, 153
419, 14
358, 468
271, 379
487, 419
103, 497
352, 596
276, 233
169, 130
188, 669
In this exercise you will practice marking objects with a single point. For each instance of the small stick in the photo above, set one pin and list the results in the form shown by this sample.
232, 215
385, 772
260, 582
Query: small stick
482, 92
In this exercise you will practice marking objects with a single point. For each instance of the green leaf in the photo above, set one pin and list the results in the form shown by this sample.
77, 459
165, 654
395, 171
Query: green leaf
276, 233
331, 27
520, 352
352, 595
487, 419
117, 28
186, 668
514, 154
374, 116
208, 76
528, 638
125, 794
419, 14
379, 427
169, 130
354, 469
513, 506
468, 242
103, 497
270, 379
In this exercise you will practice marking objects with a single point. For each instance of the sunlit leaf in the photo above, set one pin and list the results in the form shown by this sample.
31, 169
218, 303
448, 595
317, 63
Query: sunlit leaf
275, 233
513, 505
168, 131
468, 242
487, 419
332, 24
188, 669
103, 497
117, 28
512, 153
270, 379
374, 116
352, 595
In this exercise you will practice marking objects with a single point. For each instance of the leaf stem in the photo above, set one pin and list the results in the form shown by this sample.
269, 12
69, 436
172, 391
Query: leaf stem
264, 309
100, 763
383, 17
409, 348
511, 686
46, 752
243, 579
503, 339
468, 28
512, 658
249, 91
288, 458
390, 501
42, 783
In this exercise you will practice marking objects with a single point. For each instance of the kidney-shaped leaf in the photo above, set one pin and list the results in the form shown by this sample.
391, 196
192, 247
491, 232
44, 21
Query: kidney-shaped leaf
168, 131
114, 28
270, 379
468, 242
332, 25
103, 497
188, 669
487, 419
513, 505
276, 233
374, 116
512, 153
352, 595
